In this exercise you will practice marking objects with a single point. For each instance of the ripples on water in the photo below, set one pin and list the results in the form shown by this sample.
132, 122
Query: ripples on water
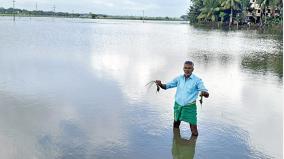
75, 88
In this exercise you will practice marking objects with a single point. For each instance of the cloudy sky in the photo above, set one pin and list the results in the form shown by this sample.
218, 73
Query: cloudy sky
172, 8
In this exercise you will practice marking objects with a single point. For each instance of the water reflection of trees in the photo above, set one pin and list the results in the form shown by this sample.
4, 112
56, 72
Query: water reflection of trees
264, 63
207, 58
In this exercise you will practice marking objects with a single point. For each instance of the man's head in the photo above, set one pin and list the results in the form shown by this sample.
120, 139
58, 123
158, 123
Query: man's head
188, 67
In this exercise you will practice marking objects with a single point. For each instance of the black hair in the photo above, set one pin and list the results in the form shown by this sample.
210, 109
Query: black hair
189, 63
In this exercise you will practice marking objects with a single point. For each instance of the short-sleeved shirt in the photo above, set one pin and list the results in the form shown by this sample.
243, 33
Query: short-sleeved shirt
187, 88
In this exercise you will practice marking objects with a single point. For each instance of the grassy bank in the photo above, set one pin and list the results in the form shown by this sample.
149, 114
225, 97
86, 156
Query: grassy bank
274, 29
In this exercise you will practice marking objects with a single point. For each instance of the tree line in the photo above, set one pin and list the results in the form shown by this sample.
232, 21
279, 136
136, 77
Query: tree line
24, 12
235, 11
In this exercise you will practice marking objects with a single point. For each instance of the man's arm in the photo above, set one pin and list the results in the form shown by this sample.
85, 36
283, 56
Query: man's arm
204, 91
169, 85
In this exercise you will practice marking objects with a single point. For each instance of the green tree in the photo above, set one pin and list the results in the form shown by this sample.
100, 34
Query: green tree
210, 10
194, 10
273, 4
232, 5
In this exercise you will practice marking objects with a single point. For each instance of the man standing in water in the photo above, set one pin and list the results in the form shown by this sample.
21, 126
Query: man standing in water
188, 86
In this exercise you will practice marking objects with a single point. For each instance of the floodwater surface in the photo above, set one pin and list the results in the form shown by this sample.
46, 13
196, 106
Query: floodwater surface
75, 88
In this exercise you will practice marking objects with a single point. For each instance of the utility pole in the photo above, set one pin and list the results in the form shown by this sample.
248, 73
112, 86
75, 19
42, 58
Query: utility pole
36, 6
54, 10
14, 10
143, 16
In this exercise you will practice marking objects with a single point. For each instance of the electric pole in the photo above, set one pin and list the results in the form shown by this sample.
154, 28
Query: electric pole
53, 10
14, 10
143, 16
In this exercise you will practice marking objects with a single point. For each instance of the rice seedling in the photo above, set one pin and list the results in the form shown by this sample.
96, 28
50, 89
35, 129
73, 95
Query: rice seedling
201, 99
150, 84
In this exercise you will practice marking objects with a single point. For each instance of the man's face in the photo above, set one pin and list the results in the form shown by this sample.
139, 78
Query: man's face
188, 69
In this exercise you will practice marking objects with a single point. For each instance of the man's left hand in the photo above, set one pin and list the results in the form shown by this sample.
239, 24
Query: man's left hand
204, 94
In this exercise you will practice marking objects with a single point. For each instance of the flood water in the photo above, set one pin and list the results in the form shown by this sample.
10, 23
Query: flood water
75, 89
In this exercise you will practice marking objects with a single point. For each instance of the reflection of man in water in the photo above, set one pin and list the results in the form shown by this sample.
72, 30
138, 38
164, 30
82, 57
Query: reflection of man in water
188, 86
183, 148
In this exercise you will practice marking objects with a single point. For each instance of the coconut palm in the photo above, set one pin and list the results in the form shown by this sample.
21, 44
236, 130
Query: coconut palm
232, 5
194, 10
209, 11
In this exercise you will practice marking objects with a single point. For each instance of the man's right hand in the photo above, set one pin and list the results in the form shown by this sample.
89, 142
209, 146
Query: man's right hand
158, 82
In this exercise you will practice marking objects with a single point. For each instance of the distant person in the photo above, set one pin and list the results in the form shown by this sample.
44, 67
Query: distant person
188, 86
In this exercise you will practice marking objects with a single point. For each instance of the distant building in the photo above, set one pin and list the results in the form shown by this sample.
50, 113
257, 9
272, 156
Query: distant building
254, 12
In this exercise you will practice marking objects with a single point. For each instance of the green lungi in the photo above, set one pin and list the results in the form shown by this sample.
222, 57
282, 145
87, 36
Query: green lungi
185, 113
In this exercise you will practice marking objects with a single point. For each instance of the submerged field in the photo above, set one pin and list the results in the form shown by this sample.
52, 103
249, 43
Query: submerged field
75, 88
